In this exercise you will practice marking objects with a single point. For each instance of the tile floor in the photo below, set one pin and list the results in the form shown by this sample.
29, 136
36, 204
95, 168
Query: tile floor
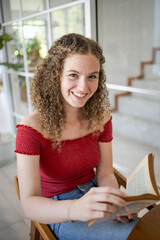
14, 225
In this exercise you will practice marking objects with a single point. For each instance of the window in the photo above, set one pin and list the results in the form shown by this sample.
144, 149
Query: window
34, 27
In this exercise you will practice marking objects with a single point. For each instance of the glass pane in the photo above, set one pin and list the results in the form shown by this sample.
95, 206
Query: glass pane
28, 7
4, 113
1, 80
68, 20
15, 47
56, 3
76, 19
19, 94
1, 69
35, 35
58, 24
11, 9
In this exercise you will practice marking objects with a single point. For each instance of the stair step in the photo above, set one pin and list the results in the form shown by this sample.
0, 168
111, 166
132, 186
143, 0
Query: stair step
152, 84
140, 107
147, 83
136, 128
153, 70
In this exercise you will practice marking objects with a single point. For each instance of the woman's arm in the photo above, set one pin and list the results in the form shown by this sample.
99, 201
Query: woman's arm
35, 206
104, 172
90, 206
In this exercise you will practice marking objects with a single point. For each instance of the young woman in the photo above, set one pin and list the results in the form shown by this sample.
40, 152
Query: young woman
64, 140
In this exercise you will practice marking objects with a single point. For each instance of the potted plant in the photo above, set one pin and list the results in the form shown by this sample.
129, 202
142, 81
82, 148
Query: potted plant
33, 46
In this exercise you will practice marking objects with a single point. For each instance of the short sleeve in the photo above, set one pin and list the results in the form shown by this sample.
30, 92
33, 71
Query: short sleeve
106, 135
28, 140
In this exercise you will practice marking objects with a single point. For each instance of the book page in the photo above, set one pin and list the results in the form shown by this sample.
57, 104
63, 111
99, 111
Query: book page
134, 207
139, 182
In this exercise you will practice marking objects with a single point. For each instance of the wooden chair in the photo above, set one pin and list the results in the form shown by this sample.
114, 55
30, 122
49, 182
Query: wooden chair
41, 231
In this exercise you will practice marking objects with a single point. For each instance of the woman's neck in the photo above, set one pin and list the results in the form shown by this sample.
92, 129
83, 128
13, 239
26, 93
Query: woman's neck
74, 126
72, 115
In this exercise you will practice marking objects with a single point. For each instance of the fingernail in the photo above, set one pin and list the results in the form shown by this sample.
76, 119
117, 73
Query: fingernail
123, 203
124, 194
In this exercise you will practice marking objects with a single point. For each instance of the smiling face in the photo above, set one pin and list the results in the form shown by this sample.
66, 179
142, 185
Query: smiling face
79, 79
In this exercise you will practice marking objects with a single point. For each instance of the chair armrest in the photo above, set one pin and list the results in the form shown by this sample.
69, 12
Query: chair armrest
120, 178
17, 186
44, 231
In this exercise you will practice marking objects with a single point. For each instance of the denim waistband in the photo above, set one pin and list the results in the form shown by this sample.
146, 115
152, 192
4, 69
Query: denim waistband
86, 186
80, 190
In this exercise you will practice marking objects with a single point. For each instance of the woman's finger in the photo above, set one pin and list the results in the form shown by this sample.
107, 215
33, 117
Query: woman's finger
123, 219
105, 207
132, 216
110, 198
114, 220
114, 191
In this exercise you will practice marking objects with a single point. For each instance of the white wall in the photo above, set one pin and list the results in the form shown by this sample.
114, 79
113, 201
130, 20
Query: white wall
128, 29
157, 23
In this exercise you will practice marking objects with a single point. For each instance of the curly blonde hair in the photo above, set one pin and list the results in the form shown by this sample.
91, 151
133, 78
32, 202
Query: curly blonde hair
45, 87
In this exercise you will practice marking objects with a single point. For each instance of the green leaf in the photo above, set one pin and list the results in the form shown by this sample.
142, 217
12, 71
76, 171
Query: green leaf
6, 37
1, 45
12, 65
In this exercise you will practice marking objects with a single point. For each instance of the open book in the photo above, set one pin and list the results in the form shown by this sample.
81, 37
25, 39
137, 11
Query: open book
141, 188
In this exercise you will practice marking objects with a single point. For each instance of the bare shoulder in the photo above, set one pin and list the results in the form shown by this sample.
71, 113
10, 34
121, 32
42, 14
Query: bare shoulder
32, 120
107, 116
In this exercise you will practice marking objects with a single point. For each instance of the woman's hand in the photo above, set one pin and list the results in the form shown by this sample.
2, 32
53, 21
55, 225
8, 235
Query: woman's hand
98, 202
125, 219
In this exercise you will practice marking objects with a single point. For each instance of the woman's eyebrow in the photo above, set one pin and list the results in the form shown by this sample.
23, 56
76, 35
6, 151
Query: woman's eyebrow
73, 71
95, 72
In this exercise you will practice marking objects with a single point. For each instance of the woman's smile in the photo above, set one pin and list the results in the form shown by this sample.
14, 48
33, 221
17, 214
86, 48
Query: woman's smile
79, 95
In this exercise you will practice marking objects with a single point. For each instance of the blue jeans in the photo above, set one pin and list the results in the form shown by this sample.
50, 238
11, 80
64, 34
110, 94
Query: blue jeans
103, 229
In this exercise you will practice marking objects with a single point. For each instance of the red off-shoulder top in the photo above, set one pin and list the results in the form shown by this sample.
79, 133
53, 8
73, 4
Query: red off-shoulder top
62, 171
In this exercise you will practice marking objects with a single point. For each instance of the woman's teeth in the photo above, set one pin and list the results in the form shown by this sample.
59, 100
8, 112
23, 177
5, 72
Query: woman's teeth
79, 95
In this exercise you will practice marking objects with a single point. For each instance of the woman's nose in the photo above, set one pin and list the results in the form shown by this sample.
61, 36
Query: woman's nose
82, 85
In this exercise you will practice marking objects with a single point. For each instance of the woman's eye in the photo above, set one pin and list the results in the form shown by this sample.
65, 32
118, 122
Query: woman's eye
73, 75
92, 77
